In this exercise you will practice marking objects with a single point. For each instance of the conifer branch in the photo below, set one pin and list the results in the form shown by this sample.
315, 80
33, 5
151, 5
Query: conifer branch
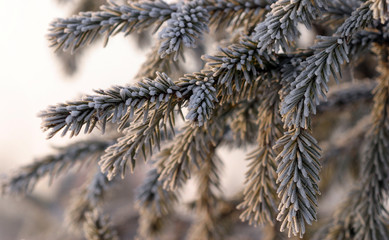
279, 29
24, 181
154, 202
259, 204
189, 148
238, 65
183, 28
380, 10
236, 13
256, 84
299, 161
141, 138
72, 33
298, 177
206, 225
311, 83
98, 227
88, 199
117, 104
139, 141
367, 216
374, 189
125, 104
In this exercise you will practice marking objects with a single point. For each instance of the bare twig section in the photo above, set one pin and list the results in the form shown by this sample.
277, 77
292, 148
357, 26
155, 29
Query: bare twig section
259, 205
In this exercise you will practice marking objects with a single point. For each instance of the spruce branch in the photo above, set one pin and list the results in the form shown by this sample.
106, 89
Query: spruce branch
70, 63
366, 214
98, 227
299, 161
140, 138
122, 105
72, 33
279, 29
154, 202
342, 226
251, 88
189, 148
236, 13
79, 30
311, 83
183, 28
89, 198
375, 166
238, 65
203, 98
298, 177
380, 10
139, 141
117, 104
207, 226
259, 204
24, 181
244, 122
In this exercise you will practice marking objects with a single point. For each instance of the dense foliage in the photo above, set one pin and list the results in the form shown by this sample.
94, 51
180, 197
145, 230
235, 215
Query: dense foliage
260, 88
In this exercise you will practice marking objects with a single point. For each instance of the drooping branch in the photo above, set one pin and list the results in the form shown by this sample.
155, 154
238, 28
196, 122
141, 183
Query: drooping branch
154, 202
139, 141
79, 153
89, 199
298, 163
98, 227
206, 224
374, 187
259, 204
